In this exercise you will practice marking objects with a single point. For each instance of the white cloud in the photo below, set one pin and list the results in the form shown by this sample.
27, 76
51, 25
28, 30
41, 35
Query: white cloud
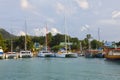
42, 31
113, 21
21, 33
65, 9
116, 14
51, 20
54, 31
85, 28
60, 8
25, 4
109, 22
36, 31
82, 4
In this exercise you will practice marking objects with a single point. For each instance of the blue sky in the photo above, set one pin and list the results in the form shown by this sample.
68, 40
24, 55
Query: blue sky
82, 17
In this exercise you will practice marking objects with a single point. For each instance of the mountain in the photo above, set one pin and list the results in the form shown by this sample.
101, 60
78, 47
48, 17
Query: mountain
5, 34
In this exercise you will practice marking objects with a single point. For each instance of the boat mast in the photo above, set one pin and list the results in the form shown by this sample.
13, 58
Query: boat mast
65, 33
25, 35
81, 47
46, 38
69, 45
11, 44
89, 44
98, 34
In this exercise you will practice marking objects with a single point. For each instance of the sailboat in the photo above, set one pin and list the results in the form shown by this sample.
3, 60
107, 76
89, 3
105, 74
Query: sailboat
45, 52
25, 53
64, 53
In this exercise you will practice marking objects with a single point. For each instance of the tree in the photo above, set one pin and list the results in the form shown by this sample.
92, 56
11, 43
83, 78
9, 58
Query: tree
56, 48
75, 43
95, 44
49, 38
88, 36
2, 43
118, 43
29, 43
57, 39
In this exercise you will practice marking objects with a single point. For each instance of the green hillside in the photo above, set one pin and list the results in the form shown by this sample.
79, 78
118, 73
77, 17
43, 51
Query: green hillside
5, 34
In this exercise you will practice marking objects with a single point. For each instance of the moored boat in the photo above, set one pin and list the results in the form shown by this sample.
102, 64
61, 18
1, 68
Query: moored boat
2, 55
90, 54
25, 54
11, 55
66, 54
113, 54
99, 55
44, 53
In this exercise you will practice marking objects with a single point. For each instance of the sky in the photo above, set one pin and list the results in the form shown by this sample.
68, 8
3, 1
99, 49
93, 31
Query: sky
73, 17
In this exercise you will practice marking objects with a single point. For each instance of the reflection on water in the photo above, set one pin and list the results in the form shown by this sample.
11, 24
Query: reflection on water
59, 69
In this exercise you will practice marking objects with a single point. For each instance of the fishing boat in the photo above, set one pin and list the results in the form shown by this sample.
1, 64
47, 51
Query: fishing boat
113, 54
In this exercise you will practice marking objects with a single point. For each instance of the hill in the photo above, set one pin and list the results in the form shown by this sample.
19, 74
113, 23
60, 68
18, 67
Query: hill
5, 34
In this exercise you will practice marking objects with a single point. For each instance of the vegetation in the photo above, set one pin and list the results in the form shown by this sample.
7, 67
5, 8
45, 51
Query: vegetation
52, 41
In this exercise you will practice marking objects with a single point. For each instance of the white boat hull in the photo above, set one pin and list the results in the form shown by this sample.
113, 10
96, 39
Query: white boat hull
45, 55
25, 54
2, 56
14, 56
66, 55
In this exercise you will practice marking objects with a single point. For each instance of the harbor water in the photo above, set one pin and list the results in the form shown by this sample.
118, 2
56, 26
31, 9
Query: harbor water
59, 69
